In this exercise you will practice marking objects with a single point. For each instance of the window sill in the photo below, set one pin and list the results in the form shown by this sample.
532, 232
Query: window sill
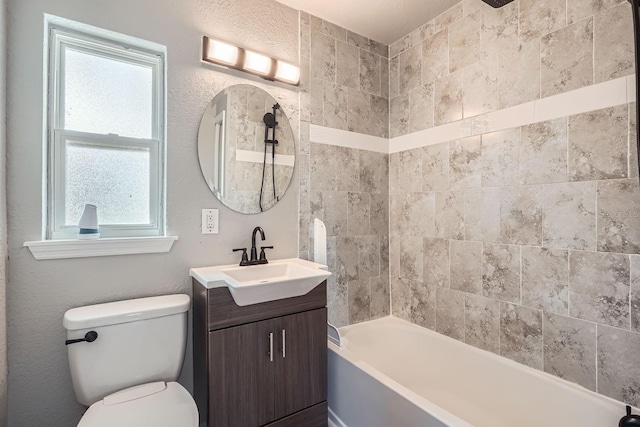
58, 249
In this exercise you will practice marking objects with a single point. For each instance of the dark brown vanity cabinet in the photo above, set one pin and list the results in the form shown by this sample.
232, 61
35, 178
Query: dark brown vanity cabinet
263, 364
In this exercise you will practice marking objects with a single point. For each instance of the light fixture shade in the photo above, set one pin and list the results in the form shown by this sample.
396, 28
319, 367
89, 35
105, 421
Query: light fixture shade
220, 52
257, 63
287, 73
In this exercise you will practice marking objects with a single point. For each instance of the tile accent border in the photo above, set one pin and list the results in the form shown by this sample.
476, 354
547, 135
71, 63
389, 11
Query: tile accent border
594, 97
343, 138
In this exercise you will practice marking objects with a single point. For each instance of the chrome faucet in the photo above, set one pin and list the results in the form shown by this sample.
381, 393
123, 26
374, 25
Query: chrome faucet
254, 251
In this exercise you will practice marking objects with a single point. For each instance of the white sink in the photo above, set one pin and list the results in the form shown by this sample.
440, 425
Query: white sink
254, 284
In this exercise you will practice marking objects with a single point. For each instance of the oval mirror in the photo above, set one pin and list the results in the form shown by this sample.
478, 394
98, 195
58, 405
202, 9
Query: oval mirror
246, 149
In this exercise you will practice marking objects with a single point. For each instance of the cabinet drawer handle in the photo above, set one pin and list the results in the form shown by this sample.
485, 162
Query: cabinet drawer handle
284, 344
271, 347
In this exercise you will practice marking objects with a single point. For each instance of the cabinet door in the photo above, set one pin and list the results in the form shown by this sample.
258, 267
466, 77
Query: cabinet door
241, 375
301, 362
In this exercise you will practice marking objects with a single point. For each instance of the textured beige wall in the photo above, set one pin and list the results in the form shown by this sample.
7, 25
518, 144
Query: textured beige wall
39, 382
522, 242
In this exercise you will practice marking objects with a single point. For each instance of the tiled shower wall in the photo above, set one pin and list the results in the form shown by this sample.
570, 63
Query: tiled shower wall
522, 242
345, 86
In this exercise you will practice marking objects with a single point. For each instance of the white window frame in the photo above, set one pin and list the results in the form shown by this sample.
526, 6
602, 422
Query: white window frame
60, 39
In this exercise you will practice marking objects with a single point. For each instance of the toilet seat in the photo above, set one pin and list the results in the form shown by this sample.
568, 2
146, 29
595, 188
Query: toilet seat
156, 404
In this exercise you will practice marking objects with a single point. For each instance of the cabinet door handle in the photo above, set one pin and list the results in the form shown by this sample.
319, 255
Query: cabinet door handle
271, 347
284, 344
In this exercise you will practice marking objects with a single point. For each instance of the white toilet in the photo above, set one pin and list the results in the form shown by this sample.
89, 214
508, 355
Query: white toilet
127, 374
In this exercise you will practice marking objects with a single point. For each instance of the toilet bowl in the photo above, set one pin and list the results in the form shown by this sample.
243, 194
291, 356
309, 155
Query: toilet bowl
126, 370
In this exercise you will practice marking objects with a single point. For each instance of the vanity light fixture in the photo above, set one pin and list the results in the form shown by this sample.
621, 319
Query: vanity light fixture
257, 63
220, 52
225, 54
287, 73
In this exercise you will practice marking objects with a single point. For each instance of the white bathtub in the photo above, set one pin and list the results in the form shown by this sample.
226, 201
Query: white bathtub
390, 373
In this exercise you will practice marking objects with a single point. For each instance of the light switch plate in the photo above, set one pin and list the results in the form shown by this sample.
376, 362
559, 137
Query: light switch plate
210, 221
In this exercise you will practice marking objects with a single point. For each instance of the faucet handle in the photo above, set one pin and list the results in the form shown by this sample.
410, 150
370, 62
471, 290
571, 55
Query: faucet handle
263, 256
245, 258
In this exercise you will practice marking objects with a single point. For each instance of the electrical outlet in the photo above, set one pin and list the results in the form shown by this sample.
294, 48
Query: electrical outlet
209, 221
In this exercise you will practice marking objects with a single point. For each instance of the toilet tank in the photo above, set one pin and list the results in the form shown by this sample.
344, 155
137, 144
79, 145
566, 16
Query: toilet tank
139, 341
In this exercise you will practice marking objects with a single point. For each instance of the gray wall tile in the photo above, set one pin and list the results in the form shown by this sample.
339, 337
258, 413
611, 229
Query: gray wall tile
635, 293
500, 158
521, 334
540, 17
466, 266
482, 322
335, 106
335, 208
435, 167
482, 215
411, 258
347, 162
543, 152
358, 214
337, 302
423, 304
358, 117
435, 57
521, 215
570, 349
379, 117
450, 214
618, 369
347, 65
598, 144
379, 214
465, 166
599, 288
613, 43
436, 262
410, 68
569, 216
380, 296
464, 42
545, 279
567, 58
401, 296
577, 10
359, 301
480, 83
370, 72
323, 56
450, 313
518, 74
399, 108
421, 108
448, 99
501, 272
410, 171
346, 259
618, 216
633, 142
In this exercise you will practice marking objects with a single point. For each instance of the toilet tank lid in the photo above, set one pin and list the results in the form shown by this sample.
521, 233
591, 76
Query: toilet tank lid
113, 313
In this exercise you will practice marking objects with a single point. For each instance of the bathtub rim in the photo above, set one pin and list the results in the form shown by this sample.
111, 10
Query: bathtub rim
426, 405
438, 412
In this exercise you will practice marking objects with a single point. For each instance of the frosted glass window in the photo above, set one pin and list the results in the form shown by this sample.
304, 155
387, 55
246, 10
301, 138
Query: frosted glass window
116, 180
107, 145
105, 95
